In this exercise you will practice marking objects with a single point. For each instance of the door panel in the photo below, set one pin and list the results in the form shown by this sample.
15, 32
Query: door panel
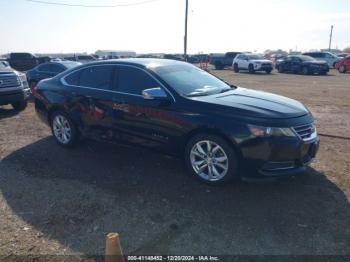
150, 123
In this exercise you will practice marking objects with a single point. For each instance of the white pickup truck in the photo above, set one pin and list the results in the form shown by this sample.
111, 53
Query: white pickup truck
252, 63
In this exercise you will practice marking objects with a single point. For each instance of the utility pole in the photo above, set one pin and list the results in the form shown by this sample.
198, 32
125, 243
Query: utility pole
330, 39
185, 38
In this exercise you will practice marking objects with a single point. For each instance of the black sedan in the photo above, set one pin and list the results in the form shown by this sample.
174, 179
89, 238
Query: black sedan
48, 70
222, 131
302, 64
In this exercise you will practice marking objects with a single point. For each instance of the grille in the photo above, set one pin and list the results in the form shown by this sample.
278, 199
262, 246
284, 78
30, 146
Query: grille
9, 81
305, 132
266, 64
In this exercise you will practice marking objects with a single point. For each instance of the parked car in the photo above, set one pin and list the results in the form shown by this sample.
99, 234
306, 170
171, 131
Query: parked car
252, 63
14, 88
82, 58
22, 61
343, 65
48, 70
330, 58
302, 64
224, 60
342, 55
222, 131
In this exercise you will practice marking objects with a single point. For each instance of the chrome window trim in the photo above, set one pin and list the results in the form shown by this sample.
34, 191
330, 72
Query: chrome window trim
63, 81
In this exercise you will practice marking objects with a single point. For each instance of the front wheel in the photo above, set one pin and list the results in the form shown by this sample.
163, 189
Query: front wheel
20, 106
63, 129
251, 69
268, 71
235, 68
211, 159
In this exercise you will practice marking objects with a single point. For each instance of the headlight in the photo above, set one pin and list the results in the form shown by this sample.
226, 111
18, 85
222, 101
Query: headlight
261, 131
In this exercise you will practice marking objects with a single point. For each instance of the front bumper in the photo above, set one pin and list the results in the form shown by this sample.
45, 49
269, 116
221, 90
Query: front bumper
10, 97
263, 67
278, 157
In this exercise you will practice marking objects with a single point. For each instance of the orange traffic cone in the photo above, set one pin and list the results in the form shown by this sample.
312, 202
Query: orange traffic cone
114, 251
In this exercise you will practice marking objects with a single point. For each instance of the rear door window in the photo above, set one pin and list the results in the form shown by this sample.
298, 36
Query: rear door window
99, 77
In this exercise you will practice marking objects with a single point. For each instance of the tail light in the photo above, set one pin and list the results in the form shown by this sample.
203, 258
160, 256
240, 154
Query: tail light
35, 91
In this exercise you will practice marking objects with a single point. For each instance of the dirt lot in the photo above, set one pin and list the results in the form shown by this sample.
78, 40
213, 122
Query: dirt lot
57, 201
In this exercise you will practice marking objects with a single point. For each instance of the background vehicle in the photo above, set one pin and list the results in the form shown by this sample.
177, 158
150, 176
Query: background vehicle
176, 108
221, 61
343, 65
252, 63
302, 64
47, 70
342, 55
330, 58
14, 88
22, 61
82, 58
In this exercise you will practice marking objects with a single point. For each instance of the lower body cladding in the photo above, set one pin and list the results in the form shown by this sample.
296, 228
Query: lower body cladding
277, 157
11, 97
263, 68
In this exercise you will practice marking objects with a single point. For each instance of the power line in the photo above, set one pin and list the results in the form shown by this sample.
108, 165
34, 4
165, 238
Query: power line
93, 6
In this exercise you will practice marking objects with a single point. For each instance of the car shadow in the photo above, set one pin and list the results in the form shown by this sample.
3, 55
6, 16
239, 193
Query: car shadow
77, 196
6, 112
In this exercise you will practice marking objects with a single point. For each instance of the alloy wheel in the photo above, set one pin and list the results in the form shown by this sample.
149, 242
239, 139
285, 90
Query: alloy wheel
62, 129
209, 160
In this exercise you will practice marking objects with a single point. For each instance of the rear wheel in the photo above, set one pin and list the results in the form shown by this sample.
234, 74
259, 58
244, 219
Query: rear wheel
21, 105
235, 68
305, 71
251, 69
63, 129
219, 66
342, 69
268, 71
211, 159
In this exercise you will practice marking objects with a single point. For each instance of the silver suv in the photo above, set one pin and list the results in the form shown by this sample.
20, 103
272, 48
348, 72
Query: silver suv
14, 87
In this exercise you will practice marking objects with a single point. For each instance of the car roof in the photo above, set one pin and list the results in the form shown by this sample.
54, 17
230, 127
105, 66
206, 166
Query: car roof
140, 62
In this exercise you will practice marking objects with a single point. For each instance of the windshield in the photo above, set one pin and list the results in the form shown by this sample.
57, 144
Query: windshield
306, 58
255, 57
189, 80
3, 65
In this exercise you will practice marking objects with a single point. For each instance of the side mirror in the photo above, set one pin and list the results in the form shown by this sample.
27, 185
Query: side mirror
154, 94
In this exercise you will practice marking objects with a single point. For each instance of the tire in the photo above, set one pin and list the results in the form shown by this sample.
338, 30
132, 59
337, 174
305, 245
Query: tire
222, 163
61, 123
268, 71
235, 68
20, 106
280, 69
219, 66
251, 69
342, 69
305, 71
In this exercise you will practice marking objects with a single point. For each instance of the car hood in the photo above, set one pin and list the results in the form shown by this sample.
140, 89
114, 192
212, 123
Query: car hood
257, 104
6, 71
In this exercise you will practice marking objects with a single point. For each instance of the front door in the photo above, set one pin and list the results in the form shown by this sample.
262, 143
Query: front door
149, 123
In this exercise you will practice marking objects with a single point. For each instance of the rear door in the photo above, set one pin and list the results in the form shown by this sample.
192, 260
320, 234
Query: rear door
143, 122
92, 96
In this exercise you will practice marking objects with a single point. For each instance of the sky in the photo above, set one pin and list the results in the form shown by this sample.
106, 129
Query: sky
214, 26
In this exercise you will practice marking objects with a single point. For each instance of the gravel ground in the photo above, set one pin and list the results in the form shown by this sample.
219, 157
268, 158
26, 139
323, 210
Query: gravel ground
57, 201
